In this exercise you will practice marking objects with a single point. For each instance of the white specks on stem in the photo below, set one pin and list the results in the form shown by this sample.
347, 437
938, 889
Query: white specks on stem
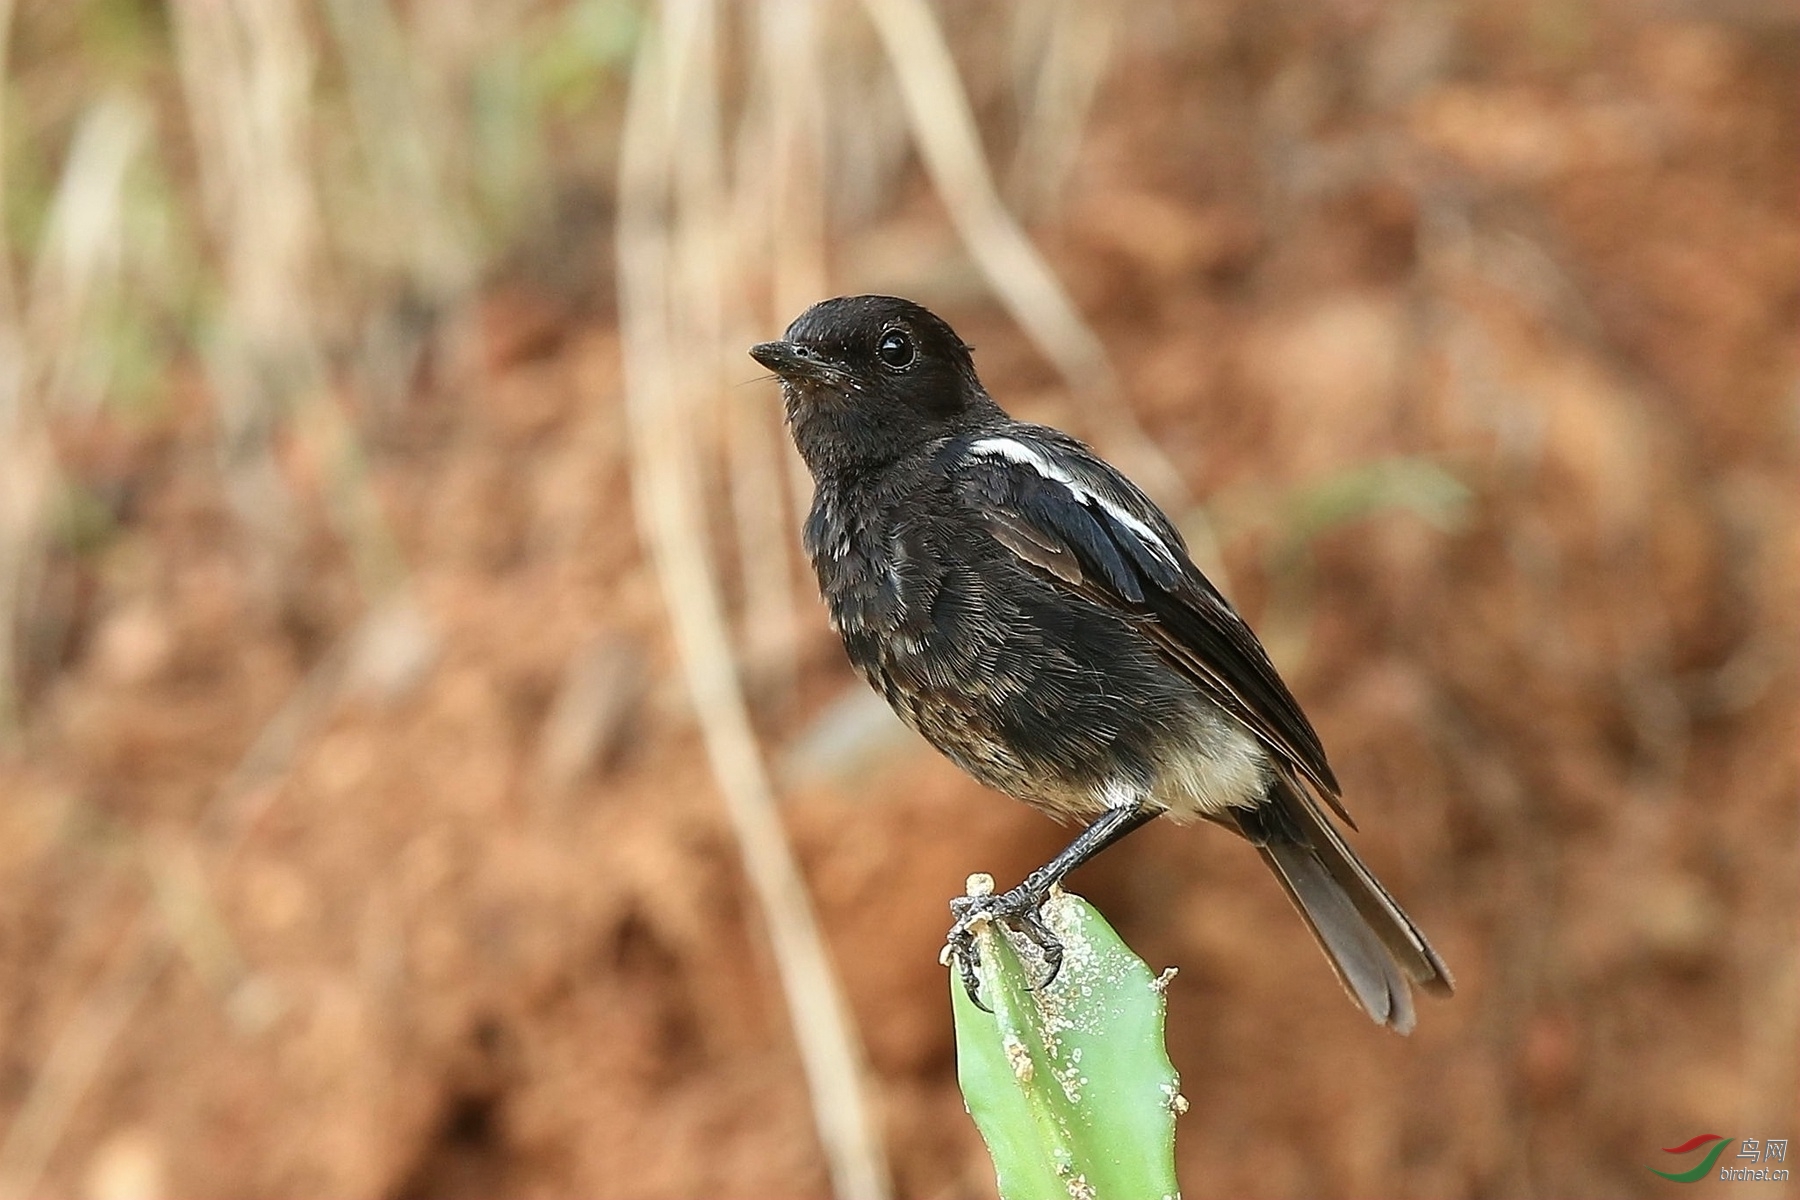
1019, 1058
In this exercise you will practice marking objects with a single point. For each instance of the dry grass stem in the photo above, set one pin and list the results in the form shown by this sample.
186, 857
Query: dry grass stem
1061, 80
943, 125
670, 223
786, 168
54, 360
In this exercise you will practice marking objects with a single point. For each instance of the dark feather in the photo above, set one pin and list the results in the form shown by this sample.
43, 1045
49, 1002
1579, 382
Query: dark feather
1300, 844
1152, 584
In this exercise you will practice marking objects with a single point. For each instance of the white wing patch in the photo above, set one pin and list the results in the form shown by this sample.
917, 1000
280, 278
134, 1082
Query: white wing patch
1018, 452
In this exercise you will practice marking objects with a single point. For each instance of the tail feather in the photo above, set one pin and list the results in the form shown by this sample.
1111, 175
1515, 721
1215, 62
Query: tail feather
1372, 944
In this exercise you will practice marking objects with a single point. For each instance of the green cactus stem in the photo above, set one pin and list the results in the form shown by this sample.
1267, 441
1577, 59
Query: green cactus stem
1069, 1084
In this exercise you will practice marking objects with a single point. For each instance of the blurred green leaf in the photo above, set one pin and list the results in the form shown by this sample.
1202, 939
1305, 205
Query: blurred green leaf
592, 38
81, 521
1415, 485
124, 38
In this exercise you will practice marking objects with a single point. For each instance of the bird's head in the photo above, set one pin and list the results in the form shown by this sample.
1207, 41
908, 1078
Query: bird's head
867, 379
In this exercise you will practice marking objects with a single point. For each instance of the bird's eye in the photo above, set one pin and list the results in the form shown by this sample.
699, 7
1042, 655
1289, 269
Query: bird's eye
895, 349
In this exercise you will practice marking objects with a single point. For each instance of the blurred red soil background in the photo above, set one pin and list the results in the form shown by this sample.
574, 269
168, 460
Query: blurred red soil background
444, 903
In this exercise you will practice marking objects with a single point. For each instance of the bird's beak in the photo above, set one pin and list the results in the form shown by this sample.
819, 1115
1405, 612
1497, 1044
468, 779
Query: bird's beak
791, 360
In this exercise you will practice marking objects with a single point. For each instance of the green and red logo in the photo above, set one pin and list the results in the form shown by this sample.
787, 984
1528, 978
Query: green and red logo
1696, 1173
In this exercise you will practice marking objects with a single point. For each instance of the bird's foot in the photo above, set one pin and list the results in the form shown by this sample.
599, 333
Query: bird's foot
1021, 908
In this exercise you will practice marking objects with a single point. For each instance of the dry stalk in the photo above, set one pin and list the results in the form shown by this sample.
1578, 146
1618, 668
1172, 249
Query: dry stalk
763, 539
8, 301
668, 300
792, 170
22, 452
943, 125
247, 75
779, 213
721, 223
27, 482
1062, 80
80, 261
403, 140
413, 240
54, 359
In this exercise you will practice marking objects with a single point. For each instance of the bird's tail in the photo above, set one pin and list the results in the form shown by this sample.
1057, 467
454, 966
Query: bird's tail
1372, 944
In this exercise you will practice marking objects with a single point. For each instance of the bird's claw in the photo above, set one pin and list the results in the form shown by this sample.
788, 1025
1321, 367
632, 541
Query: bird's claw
1022, 909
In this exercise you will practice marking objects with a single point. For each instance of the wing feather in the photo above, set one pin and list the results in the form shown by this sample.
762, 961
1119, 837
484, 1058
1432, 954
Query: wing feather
1063, 511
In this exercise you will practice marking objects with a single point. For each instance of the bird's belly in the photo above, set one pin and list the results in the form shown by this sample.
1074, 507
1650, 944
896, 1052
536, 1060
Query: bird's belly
1072, 720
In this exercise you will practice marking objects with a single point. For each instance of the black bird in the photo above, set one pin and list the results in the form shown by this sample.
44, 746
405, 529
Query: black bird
1029, 611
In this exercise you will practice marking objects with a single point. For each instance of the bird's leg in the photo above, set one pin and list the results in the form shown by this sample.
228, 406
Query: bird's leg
1019, 907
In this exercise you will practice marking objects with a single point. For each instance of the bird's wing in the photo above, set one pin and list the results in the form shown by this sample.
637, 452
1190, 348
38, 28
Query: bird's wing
1075, 520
